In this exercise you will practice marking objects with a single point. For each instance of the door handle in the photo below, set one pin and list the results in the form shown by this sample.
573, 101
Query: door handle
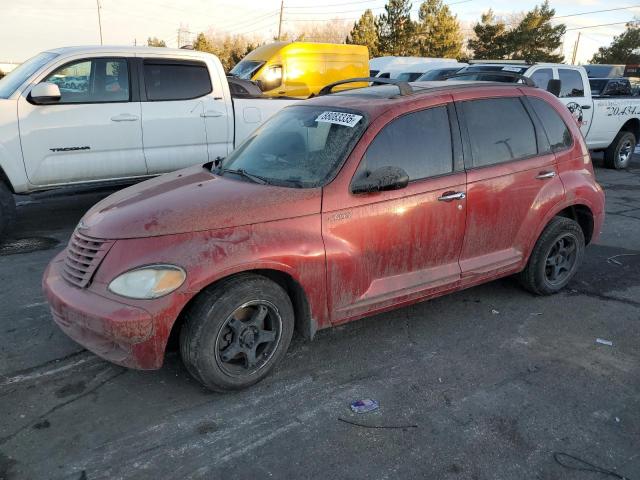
450, 196
124, 117
585, 107
545, 175
211, 113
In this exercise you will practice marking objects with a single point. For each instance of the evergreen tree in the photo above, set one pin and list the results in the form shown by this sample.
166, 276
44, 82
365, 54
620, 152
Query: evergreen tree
535, 39
438, 30
491, 38
365, 32
396, 29
624, 49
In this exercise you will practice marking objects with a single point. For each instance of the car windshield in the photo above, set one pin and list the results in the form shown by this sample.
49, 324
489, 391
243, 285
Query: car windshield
409, 76
300, 146
492, 73
437, 74
245, 69
22, 72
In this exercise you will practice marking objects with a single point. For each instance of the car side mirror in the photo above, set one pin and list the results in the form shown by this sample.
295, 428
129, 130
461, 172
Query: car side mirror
554, 86
381, 179
45, 93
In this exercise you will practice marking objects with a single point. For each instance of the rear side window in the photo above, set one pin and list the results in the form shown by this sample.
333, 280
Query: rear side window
571, 83
420, 143
500, 130
541, 77
557, 131
176, 80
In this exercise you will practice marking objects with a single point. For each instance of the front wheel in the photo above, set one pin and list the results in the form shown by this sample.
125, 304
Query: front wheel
618, 154
236, 332
555, 257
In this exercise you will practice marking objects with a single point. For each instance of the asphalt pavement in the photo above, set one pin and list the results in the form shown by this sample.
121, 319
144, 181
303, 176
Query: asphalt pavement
483, 384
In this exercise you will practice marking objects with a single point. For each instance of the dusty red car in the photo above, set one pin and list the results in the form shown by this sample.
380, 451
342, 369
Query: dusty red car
337, 208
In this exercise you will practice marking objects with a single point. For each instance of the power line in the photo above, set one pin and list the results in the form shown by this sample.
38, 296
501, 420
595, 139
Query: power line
342, 4
322, 12
598, 11
603, 25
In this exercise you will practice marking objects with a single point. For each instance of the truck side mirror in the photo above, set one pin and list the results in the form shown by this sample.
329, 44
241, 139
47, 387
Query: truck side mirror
45, 93
381, 179
554, 86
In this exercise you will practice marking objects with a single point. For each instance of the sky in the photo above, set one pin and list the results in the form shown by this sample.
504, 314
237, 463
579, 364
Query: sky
30, 26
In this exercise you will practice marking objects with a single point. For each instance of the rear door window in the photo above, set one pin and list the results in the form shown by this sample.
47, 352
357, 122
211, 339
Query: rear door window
500, 130
557, 131
419, 143
541, 77
572, 85
176, 80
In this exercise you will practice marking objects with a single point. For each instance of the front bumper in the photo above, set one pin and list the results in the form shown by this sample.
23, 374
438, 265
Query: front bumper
120, 333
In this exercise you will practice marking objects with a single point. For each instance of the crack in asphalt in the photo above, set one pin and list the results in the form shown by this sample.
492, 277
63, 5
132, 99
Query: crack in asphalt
57, 407
32, 372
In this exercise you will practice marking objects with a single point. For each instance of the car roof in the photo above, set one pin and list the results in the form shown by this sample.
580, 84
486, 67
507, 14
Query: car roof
130, 50
377, 99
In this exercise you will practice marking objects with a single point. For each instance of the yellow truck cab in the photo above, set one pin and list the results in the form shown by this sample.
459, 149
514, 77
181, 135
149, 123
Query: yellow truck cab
301, 69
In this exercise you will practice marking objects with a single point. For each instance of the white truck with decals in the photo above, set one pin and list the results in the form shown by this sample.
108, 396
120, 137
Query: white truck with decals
609, 124
87, 115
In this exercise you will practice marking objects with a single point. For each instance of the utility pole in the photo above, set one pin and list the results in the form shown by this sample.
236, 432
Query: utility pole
280, 22
575, 50
99, 20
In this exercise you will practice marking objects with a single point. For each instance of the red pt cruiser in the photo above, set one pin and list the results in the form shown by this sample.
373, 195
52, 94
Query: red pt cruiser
337, 208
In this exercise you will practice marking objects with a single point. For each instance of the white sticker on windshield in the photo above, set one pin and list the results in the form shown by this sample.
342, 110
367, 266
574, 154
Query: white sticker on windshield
511, 69
339, 118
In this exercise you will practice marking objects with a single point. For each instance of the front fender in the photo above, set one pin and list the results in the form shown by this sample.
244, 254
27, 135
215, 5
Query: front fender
292, 246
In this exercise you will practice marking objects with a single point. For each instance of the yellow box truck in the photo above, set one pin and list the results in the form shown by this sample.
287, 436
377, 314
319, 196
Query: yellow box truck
301, 69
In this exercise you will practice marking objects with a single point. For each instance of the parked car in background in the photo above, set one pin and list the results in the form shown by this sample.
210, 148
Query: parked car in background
410, 71
609, 124
441, 73
301, 69
337, 208
610, 87
378, 65
76, 115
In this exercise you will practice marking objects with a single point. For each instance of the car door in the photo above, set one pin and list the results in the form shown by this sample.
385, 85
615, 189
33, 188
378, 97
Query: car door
512, 180
92, 133
573, 95
389, 247
179, 111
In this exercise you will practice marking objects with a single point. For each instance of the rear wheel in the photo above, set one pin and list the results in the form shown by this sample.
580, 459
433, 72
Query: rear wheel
7, 209
555, 258
235, 333
618, 154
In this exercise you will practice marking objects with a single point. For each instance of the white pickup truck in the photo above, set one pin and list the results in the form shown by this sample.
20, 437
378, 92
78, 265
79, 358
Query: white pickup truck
611, 124
83, 115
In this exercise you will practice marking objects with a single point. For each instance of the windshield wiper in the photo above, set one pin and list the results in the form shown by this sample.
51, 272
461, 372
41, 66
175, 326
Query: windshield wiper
243, 173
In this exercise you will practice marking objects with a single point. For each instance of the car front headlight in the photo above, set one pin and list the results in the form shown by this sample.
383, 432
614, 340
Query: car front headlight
148, 282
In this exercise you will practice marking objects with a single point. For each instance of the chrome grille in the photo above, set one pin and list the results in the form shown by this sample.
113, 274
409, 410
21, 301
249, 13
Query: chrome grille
84, 254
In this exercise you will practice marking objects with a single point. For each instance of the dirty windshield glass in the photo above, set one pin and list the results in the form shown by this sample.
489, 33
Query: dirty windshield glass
18, 76
300, 146
245, 69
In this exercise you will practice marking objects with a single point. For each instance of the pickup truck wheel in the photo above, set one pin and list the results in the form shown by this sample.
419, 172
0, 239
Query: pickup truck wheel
619, 153
555, 258
236, 332
7, 209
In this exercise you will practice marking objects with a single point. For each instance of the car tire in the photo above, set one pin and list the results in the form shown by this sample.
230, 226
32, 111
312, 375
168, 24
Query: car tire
7, 209
236, 332
555, 258
618, 154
